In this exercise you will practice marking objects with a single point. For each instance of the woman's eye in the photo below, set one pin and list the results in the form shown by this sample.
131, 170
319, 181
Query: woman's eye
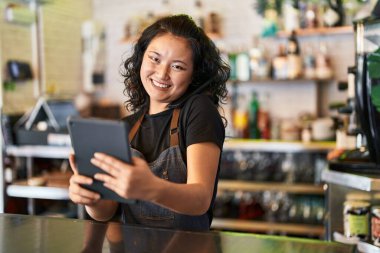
177, 67
154, 59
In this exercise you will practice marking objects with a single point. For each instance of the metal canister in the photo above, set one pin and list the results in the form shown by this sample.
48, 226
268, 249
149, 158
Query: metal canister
356, 219
375, 225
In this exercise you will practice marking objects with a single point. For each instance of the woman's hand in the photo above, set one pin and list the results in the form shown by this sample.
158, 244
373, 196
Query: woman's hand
130, 181
78, 194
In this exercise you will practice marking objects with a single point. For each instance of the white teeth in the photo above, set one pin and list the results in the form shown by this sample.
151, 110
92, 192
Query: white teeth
160, 84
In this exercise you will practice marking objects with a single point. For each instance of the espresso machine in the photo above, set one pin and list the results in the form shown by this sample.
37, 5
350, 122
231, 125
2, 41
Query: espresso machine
365, 103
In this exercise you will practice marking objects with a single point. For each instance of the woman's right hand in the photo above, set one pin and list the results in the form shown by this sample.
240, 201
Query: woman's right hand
78, 194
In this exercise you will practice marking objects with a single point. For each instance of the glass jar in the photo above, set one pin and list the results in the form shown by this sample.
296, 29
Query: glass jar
356, 218
375, 225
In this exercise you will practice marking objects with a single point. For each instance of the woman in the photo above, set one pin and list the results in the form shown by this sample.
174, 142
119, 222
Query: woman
175, 80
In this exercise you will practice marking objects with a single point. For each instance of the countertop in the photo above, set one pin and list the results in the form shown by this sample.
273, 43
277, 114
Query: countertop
26, 233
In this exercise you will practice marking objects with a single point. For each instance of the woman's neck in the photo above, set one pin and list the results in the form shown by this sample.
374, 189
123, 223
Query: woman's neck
155, 108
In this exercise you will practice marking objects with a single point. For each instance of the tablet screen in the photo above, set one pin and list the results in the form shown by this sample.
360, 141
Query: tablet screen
90, 135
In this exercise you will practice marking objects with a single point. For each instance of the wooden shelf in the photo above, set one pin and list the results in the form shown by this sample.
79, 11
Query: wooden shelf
262, 226
320, 31
278, 81
276, 146
236, 185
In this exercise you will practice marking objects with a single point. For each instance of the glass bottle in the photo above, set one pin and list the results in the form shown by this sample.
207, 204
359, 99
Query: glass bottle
242, 66
241, 118
264, 118
254, 131
293, 56
291, 15
279, 64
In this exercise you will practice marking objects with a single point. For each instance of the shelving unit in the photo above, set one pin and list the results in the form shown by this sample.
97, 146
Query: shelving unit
276, 146
262, 226
308, 189
22, 190
60, 152
358, 182
277, 81
320, 31
340, 184
235, 185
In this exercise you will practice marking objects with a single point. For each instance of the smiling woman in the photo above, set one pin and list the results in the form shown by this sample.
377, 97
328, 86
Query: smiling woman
166, 70
175, 80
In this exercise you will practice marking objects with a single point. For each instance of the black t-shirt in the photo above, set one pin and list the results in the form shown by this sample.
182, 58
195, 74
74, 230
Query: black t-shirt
199, 121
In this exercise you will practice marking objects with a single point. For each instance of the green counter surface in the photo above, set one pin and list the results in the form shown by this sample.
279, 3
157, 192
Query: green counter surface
26, 233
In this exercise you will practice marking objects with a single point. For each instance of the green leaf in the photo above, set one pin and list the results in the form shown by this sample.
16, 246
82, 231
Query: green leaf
375, 97
374, 69
374, 57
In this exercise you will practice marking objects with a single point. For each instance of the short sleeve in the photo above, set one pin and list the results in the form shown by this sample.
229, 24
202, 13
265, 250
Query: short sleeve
201, 122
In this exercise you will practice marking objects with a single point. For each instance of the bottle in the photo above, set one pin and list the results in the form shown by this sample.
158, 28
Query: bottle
279, 64
241, 118
291, 15
198, 15
294, 60
311, 15
254, 131
288, 167
255, 55
264, 118
242, 66
323, 69
334, 16
232, 62
309, 63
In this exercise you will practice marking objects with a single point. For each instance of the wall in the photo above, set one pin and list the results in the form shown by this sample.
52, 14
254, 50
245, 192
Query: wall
17, 44
240, 24
62, 27
61, 52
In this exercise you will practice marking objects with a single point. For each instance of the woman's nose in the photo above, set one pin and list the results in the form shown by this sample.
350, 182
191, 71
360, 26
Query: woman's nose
163, 71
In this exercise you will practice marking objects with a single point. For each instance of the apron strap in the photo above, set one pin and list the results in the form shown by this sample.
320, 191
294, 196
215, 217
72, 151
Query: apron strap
135, 127
174, 128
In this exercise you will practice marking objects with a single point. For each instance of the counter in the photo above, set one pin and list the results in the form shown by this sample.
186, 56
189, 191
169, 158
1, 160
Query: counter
24, 233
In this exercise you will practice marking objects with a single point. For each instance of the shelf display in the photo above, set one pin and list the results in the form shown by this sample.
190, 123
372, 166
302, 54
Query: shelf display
41, 182
272, 187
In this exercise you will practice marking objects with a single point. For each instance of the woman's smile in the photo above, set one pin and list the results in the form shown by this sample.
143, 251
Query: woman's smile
160, 85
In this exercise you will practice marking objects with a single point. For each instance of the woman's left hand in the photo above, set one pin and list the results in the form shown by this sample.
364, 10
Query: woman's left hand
130, 181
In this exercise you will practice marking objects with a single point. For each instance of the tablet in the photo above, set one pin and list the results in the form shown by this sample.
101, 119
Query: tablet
90, 135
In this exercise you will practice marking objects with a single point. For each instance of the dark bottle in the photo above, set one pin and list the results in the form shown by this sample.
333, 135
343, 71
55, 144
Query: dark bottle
264, 119
293, 46
293, 57
337, 7
254, 131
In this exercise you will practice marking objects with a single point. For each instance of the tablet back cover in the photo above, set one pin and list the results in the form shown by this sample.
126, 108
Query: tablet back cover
90, 135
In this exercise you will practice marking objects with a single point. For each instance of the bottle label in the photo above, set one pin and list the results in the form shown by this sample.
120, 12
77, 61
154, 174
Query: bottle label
356, 225
375, 227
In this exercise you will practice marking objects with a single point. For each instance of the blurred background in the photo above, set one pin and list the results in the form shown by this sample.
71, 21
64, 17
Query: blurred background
290, 63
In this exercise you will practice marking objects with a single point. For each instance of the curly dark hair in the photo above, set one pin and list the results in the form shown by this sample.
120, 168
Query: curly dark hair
210, 72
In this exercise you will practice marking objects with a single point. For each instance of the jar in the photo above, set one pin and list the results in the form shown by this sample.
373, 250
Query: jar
356, 218
375, 225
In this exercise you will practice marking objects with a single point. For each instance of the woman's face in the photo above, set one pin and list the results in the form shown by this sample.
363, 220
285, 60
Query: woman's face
166, 70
